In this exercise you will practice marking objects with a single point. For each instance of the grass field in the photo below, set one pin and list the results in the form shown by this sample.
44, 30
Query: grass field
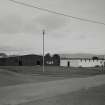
9, 77
54, 70
12, 75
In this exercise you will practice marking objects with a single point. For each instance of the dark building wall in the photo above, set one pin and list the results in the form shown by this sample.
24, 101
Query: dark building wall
31, 60
3, 61
12, 61
26, 60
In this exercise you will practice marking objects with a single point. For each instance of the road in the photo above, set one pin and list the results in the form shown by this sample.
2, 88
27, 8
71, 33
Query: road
13, 95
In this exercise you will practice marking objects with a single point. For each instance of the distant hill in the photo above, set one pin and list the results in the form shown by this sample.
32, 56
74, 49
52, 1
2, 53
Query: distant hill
80, 55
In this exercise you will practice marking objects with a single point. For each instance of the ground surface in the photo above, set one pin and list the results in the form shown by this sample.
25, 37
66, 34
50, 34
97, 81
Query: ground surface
55, 71
57, 85
27, 93
12, 75
9, 78
91, 96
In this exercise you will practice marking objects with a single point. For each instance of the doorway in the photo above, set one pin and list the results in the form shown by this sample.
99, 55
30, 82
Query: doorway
68, 64
38, 62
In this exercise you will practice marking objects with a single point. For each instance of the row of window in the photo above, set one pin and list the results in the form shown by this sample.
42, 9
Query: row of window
89, 60
85, 60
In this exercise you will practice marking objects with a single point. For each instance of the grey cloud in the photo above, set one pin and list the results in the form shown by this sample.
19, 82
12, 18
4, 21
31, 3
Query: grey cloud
79, 36
52, 22
32, 27
13, 50
8, 48
13, 24
10, 24
82, 37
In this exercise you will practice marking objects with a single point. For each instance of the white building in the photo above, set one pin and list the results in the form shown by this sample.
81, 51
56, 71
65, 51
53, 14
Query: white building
81, 62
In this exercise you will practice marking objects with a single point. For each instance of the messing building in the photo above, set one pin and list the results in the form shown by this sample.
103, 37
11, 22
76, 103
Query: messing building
82, 62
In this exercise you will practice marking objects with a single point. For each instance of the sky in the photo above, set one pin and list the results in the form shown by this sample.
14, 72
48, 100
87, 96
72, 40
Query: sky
21, 27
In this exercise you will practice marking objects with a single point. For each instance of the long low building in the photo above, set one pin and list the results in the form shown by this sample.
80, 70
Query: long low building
82, 62
29, 60
24, 60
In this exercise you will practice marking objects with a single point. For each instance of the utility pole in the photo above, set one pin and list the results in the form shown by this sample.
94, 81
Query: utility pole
43, 49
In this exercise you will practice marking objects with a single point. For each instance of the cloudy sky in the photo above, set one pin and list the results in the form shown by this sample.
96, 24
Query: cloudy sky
21, 27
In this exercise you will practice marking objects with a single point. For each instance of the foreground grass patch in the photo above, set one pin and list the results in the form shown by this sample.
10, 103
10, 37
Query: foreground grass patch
55, 70
13, 75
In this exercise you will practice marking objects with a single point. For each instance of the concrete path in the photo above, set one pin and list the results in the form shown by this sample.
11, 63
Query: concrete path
13, 95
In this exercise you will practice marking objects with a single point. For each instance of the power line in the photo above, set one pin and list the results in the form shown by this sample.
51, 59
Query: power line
58, 13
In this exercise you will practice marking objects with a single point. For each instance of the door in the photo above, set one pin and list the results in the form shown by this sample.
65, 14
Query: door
68, 63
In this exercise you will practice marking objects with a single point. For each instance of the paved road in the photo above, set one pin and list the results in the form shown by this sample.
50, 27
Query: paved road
13, 95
